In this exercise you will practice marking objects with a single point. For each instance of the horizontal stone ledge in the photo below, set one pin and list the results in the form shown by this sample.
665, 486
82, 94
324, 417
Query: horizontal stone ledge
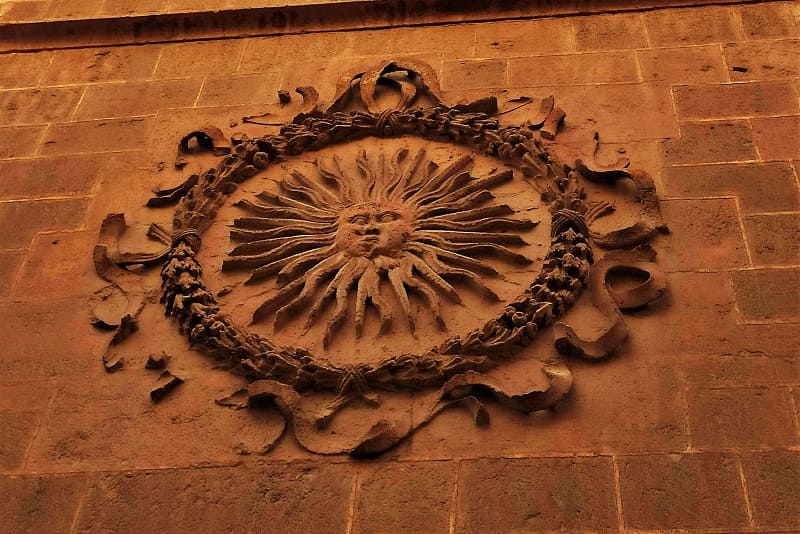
103, 30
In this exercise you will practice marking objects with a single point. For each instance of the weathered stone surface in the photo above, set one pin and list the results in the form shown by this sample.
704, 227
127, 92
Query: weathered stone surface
610, 32
733, 418
530, 37
46, 177
10, 263
695, 64
54, 258
137, 98
681, 491
473, 73
578, 69
711, 142
101, 65
23, 70
36, 106
20, 141
40, 503
108, 135
215, 58
240, 89
768, 294
774, 239
763, 60
760, 187
776, 137
405, 497
735, 100
704, 234
18, 430
26, 218
276, 498
769, 21
690, 26
772, 485
545, 494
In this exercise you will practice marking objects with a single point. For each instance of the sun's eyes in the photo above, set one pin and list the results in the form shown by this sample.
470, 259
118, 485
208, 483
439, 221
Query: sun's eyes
358, 219
387, 216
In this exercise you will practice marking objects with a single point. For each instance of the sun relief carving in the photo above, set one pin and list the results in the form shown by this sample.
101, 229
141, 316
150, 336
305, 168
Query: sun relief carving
396, 226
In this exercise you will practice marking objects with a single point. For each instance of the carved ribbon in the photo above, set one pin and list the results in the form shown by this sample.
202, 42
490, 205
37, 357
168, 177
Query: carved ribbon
459, 391
609, 301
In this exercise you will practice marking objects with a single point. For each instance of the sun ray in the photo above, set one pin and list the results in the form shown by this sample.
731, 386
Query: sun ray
472, 237
264, 245
369, 288
290, 265
283, 200
401, 221
262, 223
287, 249
396, 277
489, 223
286, 292
445, 270
496, 210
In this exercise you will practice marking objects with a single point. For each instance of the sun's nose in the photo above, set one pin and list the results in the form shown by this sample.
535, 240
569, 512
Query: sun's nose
373, 229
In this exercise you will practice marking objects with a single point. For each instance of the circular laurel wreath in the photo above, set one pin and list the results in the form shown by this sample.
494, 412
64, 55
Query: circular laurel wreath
551, 293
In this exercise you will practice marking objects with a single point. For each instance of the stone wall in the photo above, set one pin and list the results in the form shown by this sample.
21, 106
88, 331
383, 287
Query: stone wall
693, 425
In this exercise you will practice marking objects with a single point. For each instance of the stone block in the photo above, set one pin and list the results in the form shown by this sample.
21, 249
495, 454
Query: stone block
768, 294
536, 495
73, 9
276, 498
474, 74
610, 32
24, 69
124, 63
573, 69
36, 106
710, 142
704, 234
40, 503
241, 89
735, 100
682, 491
694, 64
210, 58
763, 60
761, 187
777, 137
10, 262
24, 11
740, 370
107, 135
735, 418
456, 41
524, 38
627, 404
772, 484
20, 141
55, 258
18, 430
263, 54
22, 220
774, 239
701, 25
43, 177
136, 98
48, 339
405, 497
767, 21
30, 397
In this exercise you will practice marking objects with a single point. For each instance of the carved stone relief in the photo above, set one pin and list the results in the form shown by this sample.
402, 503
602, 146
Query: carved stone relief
390, 247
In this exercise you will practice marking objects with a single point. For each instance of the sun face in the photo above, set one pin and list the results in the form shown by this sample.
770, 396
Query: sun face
392, 229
